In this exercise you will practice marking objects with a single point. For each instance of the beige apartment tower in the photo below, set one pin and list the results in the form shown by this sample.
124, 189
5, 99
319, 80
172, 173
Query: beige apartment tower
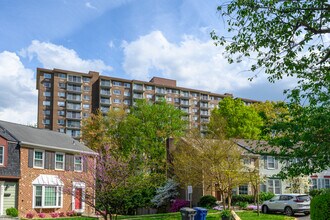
66, 97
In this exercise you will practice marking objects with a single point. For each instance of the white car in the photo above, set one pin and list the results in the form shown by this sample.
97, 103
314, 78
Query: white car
288, 204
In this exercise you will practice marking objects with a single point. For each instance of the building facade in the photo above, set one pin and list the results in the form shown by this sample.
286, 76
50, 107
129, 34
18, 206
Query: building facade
66, 97
40, 171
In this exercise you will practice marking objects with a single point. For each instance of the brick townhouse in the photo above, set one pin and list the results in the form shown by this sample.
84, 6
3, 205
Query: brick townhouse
43, 171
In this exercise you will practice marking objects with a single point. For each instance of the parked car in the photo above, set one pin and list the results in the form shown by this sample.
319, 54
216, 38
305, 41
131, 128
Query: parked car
288, 204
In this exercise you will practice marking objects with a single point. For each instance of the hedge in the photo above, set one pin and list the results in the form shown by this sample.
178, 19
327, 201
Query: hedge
320, 206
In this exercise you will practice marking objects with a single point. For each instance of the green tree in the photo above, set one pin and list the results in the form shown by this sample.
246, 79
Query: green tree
288, 38
146, 129
238, 120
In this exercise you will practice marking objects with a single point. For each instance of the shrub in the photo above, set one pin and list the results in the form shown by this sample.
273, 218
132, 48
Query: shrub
178, 204
70, 213
207, 201
54, 214
12, 212
315, 192
320, 206
41, 215
263, 196
61, 214
29, 215
225, 213
242, 205
242, 198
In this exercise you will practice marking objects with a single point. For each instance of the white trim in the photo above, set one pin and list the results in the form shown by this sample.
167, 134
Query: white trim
59, 191
74, 163
2, 193
271, 168
82, 186
43, 158
63, 154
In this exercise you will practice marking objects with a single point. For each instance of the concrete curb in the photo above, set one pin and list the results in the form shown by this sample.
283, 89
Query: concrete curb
236, 217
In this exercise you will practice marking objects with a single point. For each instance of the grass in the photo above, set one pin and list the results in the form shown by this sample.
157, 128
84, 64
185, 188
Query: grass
252, 215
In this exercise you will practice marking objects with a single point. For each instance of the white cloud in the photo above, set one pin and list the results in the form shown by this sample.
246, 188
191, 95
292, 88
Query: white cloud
192, 63
18, 94
89, 5
56, 56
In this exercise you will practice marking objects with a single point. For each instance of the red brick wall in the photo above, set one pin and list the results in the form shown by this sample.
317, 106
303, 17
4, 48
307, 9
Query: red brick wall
25, 189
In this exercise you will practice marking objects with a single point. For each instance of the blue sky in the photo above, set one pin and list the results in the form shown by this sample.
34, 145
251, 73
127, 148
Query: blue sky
133, 39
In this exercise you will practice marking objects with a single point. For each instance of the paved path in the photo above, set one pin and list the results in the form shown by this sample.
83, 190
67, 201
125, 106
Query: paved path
302, 216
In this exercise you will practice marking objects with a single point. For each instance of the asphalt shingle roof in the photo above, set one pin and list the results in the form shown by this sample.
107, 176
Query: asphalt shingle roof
41, 138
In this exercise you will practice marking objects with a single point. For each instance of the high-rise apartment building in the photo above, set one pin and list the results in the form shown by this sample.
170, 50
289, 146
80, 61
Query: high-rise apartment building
66, 97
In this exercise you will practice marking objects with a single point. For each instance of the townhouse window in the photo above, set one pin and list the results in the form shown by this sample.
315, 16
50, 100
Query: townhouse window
47, 94
59, 161
327, 183
48, 196
274, 186
116, 92
243, 190
270, 162
78, 166
2, 155
38, 159
314, 183
46, 103
47, 75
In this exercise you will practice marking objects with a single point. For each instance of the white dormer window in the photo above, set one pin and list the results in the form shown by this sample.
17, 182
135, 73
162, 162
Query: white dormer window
38, 159
270, 162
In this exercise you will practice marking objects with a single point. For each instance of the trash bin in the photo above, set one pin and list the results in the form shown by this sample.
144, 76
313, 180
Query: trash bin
187, 213
201, 213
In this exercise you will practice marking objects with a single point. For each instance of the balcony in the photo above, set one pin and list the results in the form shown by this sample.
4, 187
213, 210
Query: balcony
138, 88
73, 106
104, 92
105, 101
159, 98
73, 115
75, 98
73, 88
205, 98
204, 105
105, 83
104, 109
205, 120
184, 103
204, 113
74, 79
160, 91
137, 96
73, 124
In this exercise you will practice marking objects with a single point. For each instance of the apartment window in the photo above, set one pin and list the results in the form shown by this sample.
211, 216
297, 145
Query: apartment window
116, 92
149, 96
176, 100
243, 190
175, 91
78, 166
2, 155
118, 101
61, 130
195, 102
127, 93
46, 196
74, 78
46, 121
212, 97
195, 110
105, 82
61, 94
169, 99
61, 104
61, 85
61, 75
85, 106
61, 113
47, 94
127, 102
116, 108
115, 83
86, 79
73, 133
274, 186
211, 105
87, 88
87, 97
47, 84
270, 162
46, 112
47, 75
149, 88
127, 85
59, 161
60, 121
195, 118
105, 92
38, 159
85, 115
193, 94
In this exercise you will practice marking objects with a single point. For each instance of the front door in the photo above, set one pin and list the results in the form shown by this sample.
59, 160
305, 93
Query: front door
78, 198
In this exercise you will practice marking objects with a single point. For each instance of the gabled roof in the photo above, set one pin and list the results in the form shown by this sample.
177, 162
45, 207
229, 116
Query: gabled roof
41, 138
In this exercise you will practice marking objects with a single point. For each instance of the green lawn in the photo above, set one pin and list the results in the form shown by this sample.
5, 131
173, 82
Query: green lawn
250, 215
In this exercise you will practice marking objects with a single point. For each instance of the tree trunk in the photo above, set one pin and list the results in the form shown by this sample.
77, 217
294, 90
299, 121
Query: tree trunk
229, 200
223, 199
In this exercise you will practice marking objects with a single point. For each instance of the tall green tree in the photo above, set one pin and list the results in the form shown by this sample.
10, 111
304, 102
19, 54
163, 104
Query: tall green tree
285, 38
146, 129
238, 120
